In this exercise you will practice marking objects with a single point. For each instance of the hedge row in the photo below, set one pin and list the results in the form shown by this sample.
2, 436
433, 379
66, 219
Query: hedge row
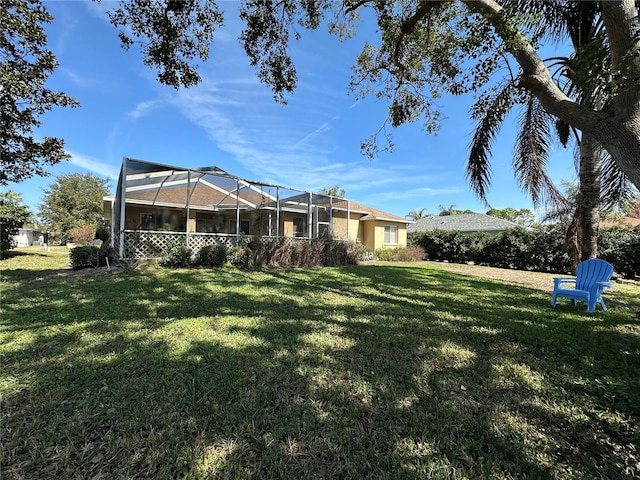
541, 249
259, 253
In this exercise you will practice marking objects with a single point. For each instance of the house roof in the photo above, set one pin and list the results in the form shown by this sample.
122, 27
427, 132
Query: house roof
369, 212
620, 222
201, 196
466, 222
148, 183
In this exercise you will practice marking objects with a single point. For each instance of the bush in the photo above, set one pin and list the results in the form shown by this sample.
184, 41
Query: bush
413, 253
337, 253
103, 231
177, 256
88, 256
241, 257
541, 249
620, 246
83, 234
212, 256
451, 246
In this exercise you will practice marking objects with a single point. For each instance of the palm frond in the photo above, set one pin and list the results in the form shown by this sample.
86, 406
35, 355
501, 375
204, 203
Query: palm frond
478, 171
565, 205
616, 190
531, 155
554, 14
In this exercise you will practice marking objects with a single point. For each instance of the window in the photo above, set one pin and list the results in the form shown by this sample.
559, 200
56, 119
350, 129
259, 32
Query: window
205, 224
147, 221
298, 227
244, 226
390, 235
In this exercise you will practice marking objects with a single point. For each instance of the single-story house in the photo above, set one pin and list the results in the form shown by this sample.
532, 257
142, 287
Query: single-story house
28, 236
156, 205
465, 222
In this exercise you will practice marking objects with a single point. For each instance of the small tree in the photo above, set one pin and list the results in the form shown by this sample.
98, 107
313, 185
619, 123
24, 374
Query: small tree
83, 234
73, 201
523, 217
12, 217
417, 214
334, 191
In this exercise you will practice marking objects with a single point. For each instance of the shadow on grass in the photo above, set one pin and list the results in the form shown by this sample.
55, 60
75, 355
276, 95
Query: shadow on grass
360, 372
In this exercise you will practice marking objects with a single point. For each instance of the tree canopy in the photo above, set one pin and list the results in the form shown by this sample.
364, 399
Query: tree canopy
522, 216
417, 214
25, 66
72, 201
334, 191
13, 215
427, 49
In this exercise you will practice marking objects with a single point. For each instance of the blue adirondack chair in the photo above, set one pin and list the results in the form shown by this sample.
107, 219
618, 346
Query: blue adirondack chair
593, 277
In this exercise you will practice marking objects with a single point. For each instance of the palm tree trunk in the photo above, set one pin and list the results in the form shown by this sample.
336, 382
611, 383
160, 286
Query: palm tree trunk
589, 196
571, 239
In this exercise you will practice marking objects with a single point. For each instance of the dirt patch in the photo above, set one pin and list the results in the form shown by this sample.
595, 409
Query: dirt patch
536, 280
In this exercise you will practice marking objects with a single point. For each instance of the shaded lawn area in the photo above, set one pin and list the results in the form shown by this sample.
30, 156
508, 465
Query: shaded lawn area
378, 371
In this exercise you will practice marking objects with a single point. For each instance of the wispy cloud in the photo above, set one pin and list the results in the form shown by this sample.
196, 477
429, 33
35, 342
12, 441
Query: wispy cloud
142, 109
95, 166
76, 78
322, 128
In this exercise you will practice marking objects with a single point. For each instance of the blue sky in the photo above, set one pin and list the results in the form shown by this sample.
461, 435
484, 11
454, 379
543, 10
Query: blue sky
231, 120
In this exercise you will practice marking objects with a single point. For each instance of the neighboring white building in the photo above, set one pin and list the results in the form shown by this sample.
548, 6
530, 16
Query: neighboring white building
28, 236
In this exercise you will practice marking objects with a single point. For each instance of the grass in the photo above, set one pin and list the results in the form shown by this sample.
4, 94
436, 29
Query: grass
378, 371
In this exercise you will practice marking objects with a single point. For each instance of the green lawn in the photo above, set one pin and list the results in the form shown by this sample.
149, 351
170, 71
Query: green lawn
378, 371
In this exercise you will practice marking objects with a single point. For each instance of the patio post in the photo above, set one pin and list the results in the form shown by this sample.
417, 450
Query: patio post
237, 213
277, 212
310, 217
188, 207
123, 203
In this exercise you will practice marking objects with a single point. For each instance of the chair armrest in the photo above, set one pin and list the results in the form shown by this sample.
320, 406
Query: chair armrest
557, 281
604, 285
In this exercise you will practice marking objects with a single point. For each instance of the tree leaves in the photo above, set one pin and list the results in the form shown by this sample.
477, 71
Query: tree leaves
25, 66
71, 201
171, 34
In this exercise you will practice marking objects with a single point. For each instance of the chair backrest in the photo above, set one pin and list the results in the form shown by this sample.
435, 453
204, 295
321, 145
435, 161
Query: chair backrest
592, 271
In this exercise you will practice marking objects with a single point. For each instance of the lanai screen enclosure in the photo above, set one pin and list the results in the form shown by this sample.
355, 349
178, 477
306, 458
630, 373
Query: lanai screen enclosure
157, 205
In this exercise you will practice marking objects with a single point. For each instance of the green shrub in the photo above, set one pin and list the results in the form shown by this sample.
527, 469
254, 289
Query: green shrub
212, 256
103, 230
241, 257
177, 255
620, 246
451, 246
412, 253
89, 256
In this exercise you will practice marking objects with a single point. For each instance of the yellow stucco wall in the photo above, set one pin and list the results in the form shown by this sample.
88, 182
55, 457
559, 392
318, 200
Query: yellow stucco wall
369, 233
373, 238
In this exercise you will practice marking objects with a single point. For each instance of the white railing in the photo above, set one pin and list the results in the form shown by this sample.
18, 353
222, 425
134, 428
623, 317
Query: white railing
147, 244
